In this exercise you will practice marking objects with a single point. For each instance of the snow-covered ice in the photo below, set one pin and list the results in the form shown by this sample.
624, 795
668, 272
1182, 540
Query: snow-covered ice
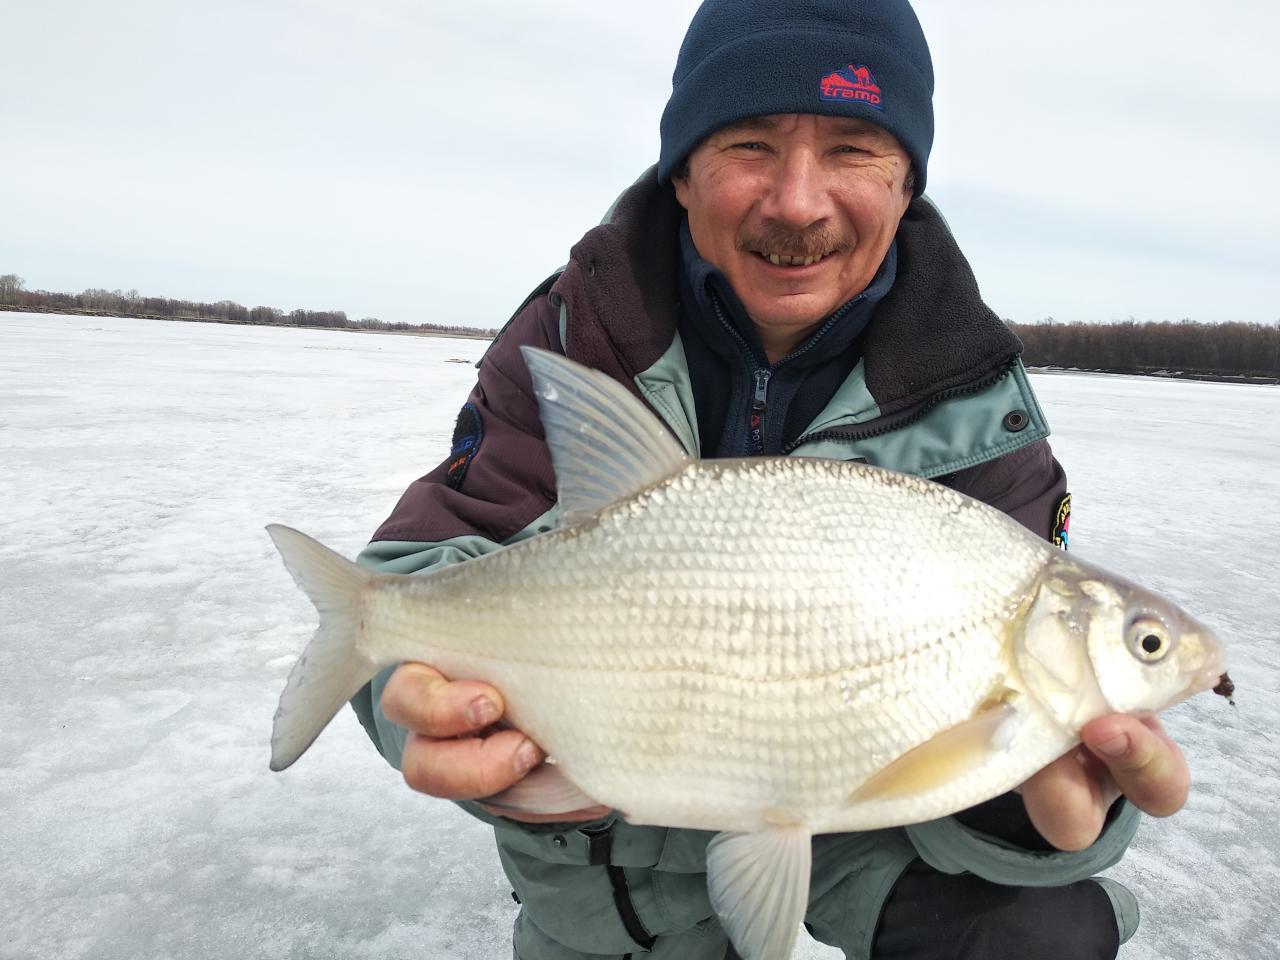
147, 625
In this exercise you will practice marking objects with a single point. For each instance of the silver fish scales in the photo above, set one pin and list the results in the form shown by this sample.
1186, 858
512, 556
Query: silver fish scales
767, 648
720, 654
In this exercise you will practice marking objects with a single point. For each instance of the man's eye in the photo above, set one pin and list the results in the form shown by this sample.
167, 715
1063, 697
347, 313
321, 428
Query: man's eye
749, 145
849, 148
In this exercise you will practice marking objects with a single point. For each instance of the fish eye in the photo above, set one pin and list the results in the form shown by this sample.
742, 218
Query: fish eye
1149, 640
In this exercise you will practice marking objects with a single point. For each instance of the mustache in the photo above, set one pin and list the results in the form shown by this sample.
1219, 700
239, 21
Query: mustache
816, 241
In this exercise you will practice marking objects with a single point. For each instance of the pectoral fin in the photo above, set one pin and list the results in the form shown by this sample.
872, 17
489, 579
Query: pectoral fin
944, 758
759, 887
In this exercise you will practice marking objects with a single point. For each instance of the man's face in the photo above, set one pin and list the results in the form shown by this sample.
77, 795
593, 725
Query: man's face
797, 211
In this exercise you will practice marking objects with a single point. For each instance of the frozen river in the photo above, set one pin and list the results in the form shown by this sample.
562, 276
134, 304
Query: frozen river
147, 625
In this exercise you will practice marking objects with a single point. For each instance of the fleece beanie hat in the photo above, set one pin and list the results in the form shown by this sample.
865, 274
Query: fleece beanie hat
840, 58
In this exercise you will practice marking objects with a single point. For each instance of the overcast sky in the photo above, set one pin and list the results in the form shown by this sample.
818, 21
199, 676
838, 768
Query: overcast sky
423, 161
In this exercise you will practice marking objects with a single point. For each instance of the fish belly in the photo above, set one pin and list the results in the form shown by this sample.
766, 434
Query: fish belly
747, 642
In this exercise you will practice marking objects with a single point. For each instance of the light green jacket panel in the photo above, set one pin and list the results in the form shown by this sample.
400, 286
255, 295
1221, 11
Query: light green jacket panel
956, 433
950, 847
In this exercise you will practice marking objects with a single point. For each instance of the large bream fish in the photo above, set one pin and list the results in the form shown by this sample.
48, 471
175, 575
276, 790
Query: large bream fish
768, 648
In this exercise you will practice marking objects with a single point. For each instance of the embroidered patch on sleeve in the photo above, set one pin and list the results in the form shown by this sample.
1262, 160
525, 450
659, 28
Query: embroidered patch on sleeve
467, 435
1062, 523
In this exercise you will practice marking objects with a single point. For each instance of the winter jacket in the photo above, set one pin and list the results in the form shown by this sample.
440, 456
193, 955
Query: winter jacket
937, 391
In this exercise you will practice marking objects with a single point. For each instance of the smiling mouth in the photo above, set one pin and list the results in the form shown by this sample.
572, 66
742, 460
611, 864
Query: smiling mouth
786, 260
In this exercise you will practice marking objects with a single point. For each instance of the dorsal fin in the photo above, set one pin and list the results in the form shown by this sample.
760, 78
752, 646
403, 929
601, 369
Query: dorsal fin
605, 444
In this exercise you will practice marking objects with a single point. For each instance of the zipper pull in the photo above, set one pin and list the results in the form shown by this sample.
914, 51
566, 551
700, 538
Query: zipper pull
762, 389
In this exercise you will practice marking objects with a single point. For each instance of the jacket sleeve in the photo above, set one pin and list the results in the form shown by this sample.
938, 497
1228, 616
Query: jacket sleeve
996, 839
1028, 484
495, 487
1003, 853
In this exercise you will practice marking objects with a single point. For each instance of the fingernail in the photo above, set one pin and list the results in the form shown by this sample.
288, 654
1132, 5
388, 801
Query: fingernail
526, 757
1114, 747
481, 712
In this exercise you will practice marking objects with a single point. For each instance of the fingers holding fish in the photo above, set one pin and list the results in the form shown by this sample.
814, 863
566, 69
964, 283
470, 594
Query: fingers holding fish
1146, 764
419, 698
450, 753
1068, 800
467, 768
1126, 755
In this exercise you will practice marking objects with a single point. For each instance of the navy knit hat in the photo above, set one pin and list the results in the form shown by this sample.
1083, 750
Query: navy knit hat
841, 58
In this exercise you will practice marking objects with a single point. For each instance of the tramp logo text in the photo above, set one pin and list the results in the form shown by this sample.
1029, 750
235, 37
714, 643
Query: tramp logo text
854, 82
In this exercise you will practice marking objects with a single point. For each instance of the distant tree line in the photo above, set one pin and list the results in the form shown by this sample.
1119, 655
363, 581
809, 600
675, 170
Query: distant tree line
1182, 347
120, 303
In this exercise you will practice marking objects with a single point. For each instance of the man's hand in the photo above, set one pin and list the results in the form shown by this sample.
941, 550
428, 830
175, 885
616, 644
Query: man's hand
450, 752
1069, 799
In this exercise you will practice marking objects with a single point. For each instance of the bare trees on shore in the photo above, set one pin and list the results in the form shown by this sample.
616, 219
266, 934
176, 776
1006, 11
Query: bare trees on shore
1132, 346
119, 303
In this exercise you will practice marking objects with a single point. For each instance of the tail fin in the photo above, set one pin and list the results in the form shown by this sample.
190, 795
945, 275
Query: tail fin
331, 669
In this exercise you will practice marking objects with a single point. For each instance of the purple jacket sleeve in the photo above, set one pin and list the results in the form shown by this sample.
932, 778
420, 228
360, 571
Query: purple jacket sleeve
1028, 484
508, 481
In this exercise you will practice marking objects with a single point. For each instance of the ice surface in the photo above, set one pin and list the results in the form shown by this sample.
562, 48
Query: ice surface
148, 626
1176, 483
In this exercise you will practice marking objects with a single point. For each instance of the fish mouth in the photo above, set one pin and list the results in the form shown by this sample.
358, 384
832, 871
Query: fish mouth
1210, 677
1206, 660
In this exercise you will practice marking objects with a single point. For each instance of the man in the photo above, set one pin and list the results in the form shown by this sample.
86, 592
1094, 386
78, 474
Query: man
778, 285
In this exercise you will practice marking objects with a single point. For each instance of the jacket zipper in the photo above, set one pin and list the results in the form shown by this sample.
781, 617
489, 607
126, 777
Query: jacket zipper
762, 375
878, 428
759, 406
760, 398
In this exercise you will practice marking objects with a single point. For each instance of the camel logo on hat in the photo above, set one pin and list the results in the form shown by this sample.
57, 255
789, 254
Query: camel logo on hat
852, 83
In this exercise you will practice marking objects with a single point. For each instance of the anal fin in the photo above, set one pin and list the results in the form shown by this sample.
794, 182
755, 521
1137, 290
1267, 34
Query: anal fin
759, 887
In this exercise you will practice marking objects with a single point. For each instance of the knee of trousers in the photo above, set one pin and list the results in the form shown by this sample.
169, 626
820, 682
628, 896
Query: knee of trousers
1074, 922
932, 916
